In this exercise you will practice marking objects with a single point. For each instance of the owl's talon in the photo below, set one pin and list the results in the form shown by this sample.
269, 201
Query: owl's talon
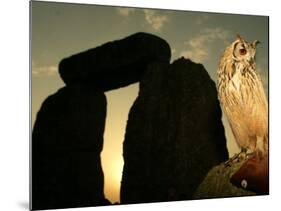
236, 158
229, 162
250, 154
242, 155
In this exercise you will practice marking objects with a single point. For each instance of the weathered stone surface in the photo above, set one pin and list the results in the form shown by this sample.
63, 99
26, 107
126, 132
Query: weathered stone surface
174, 134
115, 64
217, 183
66, 143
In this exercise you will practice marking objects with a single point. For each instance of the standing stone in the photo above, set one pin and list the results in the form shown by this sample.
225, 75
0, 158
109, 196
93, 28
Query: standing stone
67, 141
115, 64
174, 134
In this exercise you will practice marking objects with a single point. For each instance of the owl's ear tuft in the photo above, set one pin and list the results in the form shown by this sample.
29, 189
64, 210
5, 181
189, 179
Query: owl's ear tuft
255, 42
238, 37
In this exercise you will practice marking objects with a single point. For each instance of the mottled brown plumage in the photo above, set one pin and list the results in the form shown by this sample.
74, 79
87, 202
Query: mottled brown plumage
242, 96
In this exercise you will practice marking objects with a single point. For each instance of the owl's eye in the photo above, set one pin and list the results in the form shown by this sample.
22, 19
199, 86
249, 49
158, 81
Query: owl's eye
242, 51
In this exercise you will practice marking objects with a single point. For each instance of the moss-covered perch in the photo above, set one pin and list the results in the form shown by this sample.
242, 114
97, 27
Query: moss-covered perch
217, 183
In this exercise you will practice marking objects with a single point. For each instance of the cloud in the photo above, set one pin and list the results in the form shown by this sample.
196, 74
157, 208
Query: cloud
156, 21
43, 70
198, 55
198, 47
125, 11
202, 18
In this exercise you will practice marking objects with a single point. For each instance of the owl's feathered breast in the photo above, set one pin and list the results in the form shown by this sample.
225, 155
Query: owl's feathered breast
242, 96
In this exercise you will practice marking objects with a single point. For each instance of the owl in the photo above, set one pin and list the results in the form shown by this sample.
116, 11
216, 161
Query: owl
242, 97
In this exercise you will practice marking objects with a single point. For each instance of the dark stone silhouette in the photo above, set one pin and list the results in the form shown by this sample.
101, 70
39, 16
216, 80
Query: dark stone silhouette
115, 64
67, 136
66, 144
174, 134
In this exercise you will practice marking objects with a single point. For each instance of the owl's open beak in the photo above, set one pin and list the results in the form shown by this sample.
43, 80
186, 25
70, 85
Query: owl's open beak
252, 60
255, 43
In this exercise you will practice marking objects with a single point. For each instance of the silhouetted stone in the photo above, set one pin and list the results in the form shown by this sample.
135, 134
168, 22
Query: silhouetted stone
115, 64
66, 143
174, 134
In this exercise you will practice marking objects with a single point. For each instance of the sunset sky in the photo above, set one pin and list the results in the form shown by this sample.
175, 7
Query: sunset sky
60, 30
